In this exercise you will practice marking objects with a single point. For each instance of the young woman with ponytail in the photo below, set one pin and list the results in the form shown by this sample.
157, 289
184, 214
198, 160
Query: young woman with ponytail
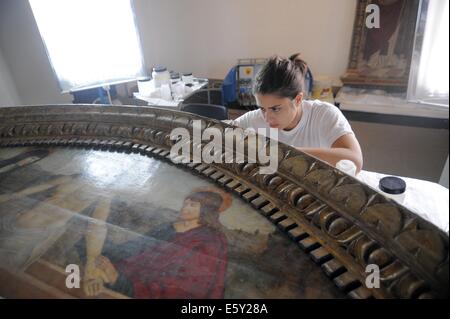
314, 127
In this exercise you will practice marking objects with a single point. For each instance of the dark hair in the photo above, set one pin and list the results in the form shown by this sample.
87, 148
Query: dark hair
210, 203
282, 77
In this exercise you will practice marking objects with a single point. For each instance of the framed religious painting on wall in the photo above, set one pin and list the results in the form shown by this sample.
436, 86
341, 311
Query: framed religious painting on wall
381, 56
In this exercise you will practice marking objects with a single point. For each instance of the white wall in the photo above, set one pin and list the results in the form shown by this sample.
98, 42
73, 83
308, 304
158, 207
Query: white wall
203, 36
208, 36
8, 92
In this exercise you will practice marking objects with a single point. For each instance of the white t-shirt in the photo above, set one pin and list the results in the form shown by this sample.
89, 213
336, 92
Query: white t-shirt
320, 126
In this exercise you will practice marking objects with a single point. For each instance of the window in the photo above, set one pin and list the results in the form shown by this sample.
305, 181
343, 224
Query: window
90, 43
429, 75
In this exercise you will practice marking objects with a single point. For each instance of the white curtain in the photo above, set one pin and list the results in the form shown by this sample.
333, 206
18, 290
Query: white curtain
90, 43
429, 79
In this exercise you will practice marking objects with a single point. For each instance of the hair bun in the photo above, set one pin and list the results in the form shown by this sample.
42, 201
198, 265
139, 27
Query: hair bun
299, 63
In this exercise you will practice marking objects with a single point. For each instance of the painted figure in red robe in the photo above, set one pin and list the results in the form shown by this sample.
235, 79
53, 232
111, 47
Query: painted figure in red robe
188, 258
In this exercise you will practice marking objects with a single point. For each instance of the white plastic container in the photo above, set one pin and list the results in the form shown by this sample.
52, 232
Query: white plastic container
145, 86
347, 167
160, 76
187, 78
174, 78
166, 94
393, 187
156, 93
178, 90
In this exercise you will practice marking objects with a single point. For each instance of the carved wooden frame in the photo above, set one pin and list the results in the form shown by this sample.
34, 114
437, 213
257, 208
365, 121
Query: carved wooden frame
343, 224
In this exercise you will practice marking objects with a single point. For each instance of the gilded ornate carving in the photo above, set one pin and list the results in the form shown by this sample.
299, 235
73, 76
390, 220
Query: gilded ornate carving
343, 224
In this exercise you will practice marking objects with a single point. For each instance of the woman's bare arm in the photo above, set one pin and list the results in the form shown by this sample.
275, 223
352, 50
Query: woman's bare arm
345, 147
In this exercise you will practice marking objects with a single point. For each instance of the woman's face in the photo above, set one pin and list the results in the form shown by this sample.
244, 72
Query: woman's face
190, 210
278, 112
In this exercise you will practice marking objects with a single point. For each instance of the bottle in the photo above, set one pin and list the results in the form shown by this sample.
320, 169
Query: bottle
347, 167
166, 94
144, 86
393, 187
187, 78
160, 76
174, 78
177, 90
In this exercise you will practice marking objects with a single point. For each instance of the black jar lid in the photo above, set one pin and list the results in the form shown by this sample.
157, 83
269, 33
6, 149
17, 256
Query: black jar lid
187, 74
159, 69
144, 79
392, 185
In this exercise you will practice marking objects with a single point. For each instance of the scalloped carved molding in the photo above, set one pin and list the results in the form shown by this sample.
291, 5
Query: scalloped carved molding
342, 223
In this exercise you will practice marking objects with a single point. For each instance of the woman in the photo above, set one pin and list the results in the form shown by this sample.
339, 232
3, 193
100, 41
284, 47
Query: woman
314, 127
188, 259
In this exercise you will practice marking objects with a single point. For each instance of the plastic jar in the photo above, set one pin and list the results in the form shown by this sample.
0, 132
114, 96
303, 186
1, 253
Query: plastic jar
160, 76
166, 93
187, 78
145, 86
393, 187
347, 167
174, 79
178, 90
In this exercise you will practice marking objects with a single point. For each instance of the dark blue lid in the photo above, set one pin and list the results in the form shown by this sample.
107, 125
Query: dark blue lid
159, 69
392, 185
145, 79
